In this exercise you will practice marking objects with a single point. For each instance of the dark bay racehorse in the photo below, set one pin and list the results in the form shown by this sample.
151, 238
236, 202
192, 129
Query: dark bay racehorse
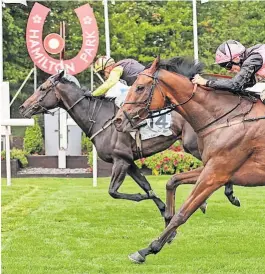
230, 128
92, 114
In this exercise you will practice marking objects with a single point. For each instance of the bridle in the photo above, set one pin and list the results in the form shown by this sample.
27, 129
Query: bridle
38, 104
95, 110
147, 102
54, 83
174, 106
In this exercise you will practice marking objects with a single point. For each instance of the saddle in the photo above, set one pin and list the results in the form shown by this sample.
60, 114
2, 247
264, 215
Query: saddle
257, 91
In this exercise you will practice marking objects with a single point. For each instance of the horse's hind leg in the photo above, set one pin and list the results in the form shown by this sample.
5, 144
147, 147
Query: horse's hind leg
177, 180
140, 179
119, 170
191, 178
229, 194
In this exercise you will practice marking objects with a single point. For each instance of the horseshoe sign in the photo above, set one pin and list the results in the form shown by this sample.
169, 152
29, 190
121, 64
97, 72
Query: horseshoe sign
49, 64
54, 43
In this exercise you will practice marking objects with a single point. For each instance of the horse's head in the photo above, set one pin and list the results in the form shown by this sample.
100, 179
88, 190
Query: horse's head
44, 98
165, 84
144, 96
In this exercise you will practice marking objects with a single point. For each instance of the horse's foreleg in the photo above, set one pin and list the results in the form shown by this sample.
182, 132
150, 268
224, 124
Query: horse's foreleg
208, 181
140, 179
119, 170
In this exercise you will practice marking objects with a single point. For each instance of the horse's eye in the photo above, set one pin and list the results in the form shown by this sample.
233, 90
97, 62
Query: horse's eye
139, 88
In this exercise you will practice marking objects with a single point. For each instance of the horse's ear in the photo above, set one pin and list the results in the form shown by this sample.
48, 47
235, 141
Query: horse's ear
61, 75
158, 58
155, 65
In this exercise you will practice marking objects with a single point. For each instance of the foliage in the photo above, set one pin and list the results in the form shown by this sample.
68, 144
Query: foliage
151, 30
90, 160
87, 148
138, 29
16, 154
169, 162
33, 141
3, 155
176, 146
86, 144
20, 155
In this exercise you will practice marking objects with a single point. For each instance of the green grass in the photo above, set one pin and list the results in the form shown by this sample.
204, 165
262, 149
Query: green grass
67, 226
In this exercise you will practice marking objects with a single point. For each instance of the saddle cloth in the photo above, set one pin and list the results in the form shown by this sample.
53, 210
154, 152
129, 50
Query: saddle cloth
258, 88
152, 127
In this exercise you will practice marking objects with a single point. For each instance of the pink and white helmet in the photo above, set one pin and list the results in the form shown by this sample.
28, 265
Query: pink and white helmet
229, 50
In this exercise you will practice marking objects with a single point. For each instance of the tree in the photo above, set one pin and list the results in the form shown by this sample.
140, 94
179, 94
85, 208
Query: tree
139, 29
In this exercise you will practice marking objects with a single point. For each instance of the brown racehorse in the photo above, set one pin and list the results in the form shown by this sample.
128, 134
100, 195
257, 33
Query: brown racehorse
230, 128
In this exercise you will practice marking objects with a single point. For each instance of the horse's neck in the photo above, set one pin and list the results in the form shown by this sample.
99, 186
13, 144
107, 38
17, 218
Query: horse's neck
205, 106
178, 123
86, 111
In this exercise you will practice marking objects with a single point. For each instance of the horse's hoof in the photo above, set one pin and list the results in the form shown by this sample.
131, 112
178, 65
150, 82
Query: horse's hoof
136, 258
203, 207
236, 202
172, 237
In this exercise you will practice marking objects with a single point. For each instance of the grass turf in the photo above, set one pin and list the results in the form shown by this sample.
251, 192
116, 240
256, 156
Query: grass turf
66, 226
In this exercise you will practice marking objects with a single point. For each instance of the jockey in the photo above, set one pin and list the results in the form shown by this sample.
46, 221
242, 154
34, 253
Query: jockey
127, 70
247, 63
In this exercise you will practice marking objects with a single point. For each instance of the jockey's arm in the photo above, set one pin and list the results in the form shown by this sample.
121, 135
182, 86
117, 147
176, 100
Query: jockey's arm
113, 79
243, 78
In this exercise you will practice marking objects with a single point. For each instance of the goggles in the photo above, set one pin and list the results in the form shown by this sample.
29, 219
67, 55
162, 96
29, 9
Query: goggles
227, 65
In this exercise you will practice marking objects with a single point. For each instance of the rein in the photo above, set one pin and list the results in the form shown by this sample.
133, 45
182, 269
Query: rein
201, 131
148, 100
93, 119
95, 111
230, 123
109, 123
219, 118
42, 97
79, 100
150, 113
54, 84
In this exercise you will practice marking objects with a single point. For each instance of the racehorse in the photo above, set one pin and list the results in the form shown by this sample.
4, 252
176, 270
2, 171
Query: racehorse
230, 129
94, 116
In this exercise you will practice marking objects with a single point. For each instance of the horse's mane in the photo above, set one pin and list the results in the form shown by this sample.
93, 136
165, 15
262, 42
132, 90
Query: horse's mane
181, 65
64, 80
86, 90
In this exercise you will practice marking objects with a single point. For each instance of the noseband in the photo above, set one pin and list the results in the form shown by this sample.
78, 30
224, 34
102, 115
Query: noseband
151, 113
95, 109
54, 84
